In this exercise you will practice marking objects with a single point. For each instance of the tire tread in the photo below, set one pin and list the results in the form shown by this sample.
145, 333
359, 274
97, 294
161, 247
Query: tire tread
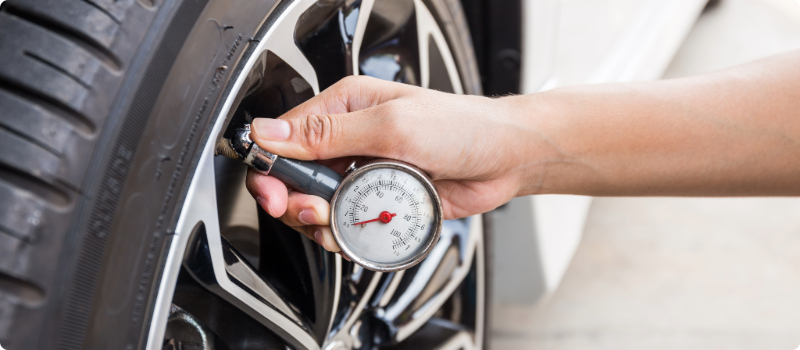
63, 63
80, 22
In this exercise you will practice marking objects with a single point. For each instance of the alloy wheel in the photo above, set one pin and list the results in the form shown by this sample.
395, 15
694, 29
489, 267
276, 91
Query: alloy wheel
237, 278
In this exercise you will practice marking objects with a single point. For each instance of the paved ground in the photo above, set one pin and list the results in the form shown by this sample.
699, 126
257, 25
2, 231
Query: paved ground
656, 273
679, 273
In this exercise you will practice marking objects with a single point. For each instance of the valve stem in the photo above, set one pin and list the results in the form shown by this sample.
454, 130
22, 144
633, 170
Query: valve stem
224, 148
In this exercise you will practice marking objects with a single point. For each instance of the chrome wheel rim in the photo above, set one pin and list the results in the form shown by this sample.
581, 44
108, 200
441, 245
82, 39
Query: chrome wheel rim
442, 298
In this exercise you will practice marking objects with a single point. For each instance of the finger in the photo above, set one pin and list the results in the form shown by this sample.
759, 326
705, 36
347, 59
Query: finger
353, 117
320, 234
302, 229
458, 197
270, 193
369, 132
303, 209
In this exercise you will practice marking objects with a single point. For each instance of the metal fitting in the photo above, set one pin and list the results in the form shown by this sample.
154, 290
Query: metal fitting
250, 153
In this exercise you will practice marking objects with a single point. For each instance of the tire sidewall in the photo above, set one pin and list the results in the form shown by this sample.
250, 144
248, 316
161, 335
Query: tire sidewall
159, 167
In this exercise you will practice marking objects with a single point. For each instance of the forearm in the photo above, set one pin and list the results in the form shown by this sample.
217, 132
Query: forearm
735, 132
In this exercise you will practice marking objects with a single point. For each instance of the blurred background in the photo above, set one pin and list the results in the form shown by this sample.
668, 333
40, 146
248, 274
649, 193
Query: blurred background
654, 273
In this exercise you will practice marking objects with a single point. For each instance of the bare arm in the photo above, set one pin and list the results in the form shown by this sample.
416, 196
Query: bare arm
730, 133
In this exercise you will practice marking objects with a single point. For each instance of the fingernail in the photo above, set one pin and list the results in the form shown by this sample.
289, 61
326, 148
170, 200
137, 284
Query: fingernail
318, 238
271, 129
308, 217
264, 203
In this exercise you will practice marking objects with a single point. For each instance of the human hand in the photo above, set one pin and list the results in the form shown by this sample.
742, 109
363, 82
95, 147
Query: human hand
465, 143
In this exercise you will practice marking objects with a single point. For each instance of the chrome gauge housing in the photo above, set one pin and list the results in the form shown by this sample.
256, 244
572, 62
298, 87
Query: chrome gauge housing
406, 232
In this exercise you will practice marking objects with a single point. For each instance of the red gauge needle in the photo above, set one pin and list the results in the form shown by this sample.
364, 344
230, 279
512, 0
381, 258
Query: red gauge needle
384, 217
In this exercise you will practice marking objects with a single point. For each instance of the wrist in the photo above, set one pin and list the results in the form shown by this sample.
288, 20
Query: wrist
540, 119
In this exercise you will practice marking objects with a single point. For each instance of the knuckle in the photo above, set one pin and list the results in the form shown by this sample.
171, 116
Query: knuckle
392, 118
393, 126
286, 220
351, 79
349, 82
358, 79
317, 131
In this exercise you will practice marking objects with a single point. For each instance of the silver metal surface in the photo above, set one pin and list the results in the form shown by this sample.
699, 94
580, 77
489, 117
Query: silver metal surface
391, 288
242, 146
255, 157
431, 240
436, 279
350, 168
358, 37
239, 270
202, 261
347, 335
428, 29
241, 142
461, 341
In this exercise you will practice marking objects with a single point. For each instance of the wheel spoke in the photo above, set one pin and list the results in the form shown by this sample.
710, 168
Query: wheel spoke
216, 265
428, 285
344, 334
438, 334
280, 40
462, 340
364, 12
427, 30
387, 293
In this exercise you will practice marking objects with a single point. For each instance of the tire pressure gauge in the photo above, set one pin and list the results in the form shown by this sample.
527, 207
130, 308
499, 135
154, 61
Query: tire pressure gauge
386, 215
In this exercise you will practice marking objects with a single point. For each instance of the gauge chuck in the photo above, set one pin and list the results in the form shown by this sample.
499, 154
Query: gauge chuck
304, 176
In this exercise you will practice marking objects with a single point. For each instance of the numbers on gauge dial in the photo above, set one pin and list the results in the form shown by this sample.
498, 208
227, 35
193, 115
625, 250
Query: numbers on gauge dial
385, 215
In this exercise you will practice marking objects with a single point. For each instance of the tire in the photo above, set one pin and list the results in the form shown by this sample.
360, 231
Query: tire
106, 106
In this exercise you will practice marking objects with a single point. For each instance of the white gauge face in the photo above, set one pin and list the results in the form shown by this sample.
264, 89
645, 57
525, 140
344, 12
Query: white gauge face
385, 215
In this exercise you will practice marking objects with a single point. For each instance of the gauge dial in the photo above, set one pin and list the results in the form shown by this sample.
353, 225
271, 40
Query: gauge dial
385, 216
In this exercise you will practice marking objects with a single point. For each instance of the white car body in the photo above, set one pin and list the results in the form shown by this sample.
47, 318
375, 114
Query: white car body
573, 42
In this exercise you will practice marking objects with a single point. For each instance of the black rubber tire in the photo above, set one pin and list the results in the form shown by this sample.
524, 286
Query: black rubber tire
103, 104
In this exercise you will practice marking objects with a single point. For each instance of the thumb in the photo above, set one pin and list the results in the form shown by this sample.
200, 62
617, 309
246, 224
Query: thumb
366, 132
